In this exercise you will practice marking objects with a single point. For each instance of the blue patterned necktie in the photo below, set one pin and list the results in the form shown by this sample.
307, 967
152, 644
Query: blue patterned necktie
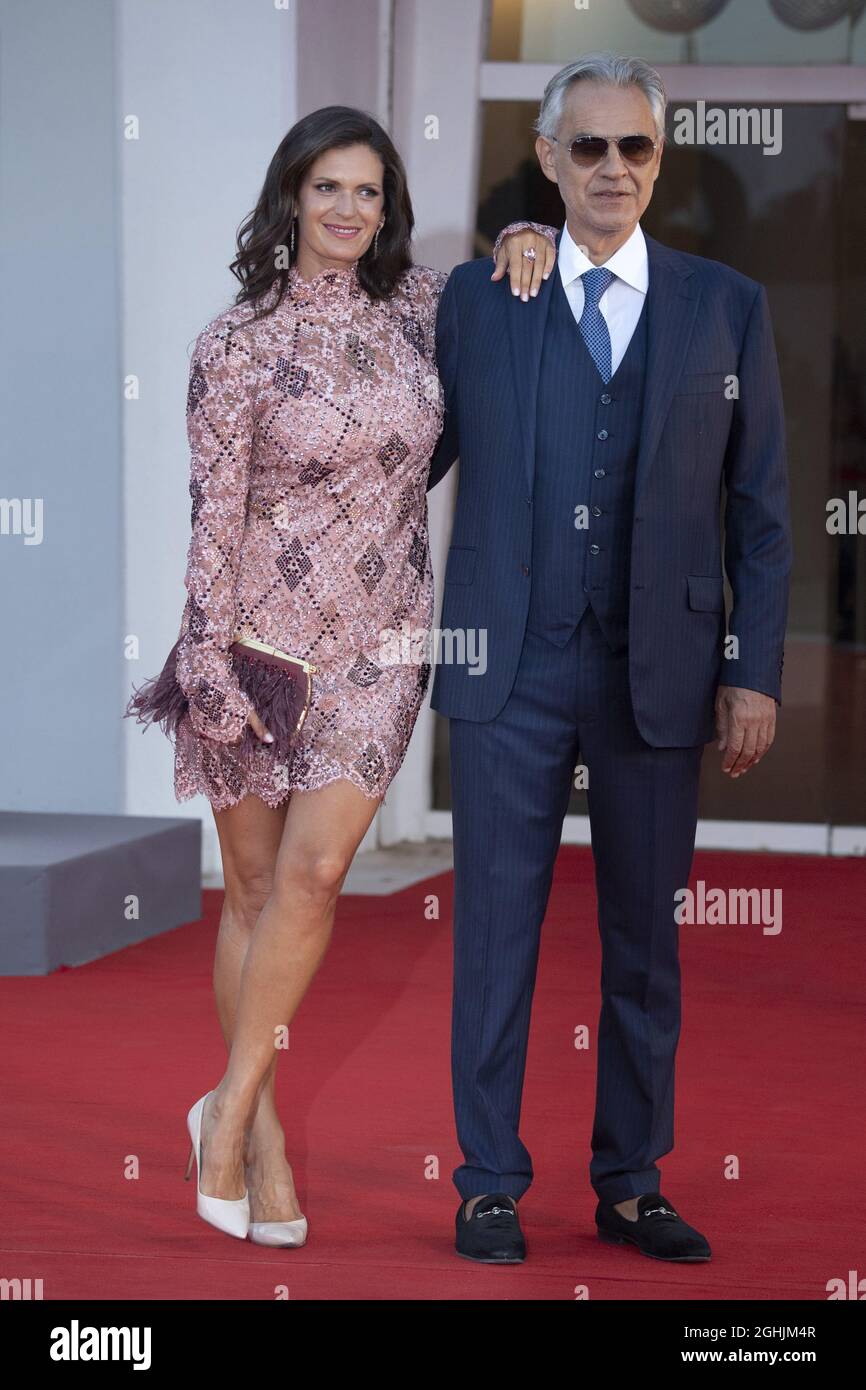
592, 322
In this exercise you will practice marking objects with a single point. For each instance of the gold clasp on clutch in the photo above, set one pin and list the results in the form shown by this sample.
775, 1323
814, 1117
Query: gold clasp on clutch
275, 651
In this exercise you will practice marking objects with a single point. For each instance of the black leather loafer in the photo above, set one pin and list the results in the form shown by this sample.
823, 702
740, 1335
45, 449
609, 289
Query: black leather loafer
492, 1235
658, 1232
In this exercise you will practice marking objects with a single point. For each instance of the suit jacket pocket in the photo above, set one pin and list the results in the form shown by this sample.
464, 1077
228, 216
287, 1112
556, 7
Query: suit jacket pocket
460, 566
706, 593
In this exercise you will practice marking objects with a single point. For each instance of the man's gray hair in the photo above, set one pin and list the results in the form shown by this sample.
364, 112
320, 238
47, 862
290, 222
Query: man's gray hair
601, 67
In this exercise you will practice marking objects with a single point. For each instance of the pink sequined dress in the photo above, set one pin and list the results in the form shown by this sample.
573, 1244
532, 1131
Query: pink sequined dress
311, 432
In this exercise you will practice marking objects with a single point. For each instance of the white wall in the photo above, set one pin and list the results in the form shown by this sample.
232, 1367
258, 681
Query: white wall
60, 603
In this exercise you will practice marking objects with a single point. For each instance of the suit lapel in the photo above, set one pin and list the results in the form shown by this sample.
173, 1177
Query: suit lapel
672, 304
526, 324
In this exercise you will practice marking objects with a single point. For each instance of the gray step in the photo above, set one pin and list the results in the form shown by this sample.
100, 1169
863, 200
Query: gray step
74, 888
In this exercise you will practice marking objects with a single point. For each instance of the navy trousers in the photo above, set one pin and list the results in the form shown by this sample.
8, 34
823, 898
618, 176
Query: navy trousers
511, 779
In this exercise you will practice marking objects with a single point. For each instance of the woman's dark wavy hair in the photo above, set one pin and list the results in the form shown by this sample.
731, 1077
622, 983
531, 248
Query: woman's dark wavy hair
268, 229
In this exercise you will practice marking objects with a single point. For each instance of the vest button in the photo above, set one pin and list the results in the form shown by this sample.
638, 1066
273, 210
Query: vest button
596, 511
605, 399
524, 569
593, 550
599, 473
602, 434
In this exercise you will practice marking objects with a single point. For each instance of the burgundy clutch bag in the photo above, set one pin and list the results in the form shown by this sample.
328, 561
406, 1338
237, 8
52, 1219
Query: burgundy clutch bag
280, 687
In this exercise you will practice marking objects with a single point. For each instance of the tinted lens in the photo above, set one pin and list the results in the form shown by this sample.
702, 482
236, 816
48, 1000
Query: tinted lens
591, 149
637, 149
588, 150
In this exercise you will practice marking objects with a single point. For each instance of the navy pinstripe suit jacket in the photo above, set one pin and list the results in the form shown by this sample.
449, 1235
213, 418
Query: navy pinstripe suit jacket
712, 415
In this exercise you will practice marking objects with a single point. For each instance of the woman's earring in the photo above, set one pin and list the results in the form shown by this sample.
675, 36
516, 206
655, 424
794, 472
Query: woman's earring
376, 239
292, 242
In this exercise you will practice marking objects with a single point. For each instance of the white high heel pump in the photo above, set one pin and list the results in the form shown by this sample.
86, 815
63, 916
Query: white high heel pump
230, 1216
279, 1232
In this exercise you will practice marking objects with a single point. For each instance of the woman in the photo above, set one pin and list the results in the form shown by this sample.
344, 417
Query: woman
313, 410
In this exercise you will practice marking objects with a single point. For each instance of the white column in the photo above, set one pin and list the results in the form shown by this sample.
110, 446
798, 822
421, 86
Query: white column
437, 55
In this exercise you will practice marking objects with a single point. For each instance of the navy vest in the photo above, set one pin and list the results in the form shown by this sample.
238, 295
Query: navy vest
587, 439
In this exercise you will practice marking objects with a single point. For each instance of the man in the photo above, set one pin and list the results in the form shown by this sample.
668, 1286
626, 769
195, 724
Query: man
596, 428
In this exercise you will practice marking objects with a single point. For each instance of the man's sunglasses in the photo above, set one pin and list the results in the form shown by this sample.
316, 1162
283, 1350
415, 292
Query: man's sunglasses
587, 150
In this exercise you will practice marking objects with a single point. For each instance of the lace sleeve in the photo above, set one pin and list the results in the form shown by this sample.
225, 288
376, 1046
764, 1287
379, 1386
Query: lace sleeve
550, 232
219, 420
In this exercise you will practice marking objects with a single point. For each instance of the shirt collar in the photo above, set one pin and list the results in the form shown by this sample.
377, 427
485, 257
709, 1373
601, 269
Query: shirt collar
630, 263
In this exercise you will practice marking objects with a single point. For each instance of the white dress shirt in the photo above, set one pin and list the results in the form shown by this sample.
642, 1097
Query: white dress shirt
623, 300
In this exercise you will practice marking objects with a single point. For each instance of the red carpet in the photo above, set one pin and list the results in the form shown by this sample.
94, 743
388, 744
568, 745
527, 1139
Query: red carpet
102, 1062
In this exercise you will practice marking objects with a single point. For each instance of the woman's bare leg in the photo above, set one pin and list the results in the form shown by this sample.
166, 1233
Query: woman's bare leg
321, 834
250, 833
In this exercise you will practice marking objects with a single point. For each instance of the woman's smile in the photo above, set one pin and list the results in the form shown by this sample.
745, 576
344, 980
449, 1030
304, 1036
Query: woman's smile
344, 233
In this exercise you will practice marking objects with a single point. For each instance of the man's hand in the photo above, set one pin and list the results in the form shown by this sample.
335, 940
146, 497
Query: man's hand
746, 726
525, 275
